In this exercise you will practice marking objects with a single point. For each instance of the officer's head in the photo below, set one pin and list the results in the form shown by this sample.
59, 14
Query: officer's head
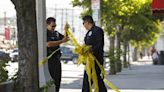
51, 23
88, 22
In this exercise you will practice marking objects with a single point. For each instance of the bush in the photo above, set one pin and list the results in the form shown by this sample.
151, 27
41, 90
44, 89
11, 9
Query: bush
3, 71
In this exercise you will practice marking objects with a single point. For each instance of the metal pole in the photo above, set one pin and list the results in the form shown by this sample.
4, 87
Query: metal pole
44, 75
62, 19
96, 11
5, 19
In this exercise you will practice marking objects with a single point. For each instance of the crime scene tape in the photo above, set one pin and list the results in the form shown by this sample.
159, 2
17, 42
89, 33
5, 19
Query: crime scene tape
86, 57
43, 61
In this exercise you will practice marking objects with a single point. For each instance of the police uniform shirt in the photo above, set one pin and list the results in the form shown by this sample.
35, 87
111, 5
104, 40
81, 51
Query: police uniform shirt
53, 36
95, 38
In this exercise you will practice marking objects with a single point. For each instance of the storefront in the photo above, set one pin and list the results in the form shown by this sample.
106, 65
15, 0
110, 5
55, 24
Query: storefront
158, 6
158, 9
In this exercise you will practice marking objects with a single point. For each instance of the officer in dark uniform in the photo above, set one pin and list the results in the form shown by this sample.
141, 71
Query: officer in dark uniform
54, 39
94, 38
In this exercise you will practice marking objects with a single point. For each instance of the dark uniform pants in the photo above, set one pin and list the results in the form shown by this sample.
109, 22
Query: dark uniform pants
101, 84
54, 66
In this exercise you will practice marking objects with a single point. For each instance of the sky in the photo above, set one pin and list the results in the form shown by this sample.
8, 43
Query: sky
8, 7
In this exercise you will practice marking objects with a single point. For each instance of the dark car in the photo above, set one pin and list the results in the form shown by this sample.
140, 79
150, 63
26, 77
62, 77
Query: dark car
4, 56
158, 58
68, 55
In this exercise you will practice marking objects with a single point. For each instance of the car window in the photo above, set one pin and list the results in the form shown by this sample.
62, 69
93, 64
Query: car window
15, 50
66, 50
1, 52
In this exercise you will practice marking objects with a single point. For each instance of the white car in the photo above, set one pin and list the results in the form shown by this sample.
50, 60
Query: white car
14, 55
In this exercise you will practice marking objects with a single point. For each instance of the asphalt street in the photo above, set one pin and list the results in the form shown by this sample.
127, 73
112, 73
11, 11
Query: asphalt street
143, 76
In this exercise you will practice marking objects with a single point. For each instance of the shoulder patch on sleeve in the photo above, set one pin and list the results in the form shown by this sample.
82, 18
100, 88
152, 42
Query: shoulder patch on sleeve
90, 33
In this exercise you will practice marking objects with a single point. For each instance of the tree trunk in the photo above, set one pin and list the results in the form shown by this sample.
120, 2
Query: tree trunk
135, 54
118, 52
28, 46
112, 57
125, 63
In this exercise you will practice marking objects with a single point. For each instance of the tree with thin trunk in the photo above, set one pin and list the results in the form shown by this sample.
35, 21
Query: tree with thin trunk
118, 52
28, 45
113, 69
138, 26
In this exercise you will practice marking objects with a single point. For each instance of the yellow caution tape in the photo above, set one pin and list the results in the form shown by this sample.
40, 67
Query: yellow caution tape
43, 61
87, 58
110, 85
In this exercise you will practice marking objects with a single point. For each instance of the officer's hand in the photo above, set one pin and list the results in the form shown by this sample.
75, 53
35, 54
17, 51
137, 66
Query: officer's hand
66, 26
102, 76
84, 63
66, 29
65, 39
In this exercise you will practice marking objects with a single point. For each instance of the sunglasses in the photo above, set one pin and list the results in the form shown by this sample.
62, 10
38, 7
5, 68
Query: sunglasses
84, 22
53, 26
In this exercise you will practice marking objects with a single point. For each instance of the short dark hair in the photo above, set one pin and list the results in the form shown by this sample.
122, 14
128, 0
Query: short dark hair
88, 18
50, 19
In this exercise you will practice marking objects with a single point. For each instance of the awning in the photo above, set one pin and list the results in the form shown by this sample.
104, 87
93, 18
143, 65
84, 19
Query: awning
158, 6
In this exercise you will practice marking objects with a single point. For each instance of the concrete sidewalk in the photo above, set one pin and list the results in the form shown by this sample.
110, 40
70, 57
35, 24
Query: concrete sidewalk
142, 77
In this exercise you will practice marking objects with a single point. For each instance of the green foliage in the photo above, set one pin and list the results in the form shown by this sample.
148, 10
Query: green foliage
14, 78
132, 18
143, 35
135, 16
86, 4
3, 71
115, 62
136, 19
119, 53
47, 86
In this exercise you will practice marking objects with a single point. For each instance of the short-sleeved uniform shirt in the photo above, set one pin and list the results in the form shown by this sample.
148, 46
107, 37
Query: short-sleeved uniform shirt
53, 36
95, 38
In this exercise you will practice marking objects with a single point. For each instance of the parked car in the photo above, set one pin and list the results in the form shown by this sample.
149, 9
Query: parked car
158, 58
68, 55
14, 55
4, 56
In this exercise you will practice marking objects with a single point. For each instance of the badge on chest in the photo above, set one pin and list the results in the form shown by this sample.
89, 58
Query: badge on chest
90, 33
55, 36
52, 38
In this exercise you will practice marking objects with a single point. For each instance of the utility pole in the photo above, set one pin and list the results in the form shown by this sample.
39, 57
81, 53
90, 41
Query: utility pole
44, 75
96, 11
55, 10
4, 18
66, 15
73, 29
62, 19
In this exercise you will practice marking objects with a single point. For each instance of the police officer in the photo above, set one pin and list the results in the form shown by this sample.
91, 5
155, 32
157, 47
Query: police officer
95, 38
54, 39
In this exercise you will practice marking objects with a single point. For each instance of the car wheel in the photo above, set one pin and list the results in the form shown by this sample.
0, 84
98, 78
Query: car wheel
75, 60
65, 61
